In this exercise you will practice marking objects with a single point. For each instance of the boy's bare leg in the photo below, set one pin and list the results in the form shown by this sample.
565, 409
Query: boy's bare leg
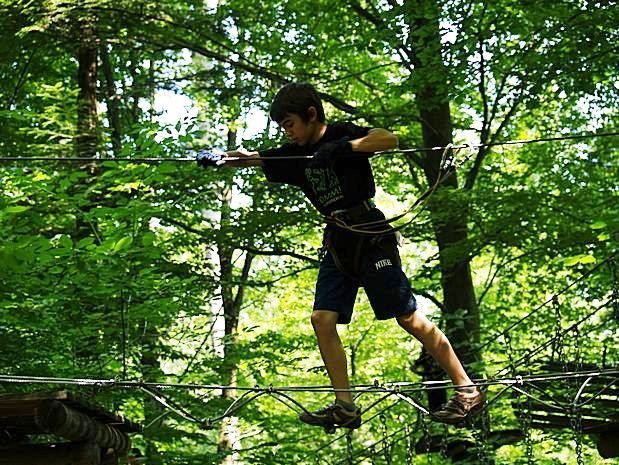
437, 345
466, 401
343, 412
332, 351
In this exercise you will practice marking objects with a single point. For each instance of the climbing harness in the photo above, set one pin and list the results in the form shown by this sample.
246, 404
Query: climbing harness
447, 167
351, 251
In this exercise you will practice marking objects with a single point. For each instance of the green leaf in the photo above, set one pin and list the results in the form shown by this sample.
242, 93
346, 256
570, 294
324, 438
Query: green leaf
167, 168
598, 225
148, 239
587, 259
579, 259
114, 365
65, 242
40, 177
573, 260
16, 209
85, 242
122, 244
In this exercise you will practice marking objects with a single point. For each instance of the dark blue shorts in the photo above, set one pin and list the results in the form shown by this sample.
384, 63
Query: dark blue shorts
385, 284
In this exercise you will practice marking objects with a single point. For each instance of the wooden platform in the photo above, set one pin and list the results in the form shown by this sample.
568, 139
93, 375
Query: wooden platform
95, 436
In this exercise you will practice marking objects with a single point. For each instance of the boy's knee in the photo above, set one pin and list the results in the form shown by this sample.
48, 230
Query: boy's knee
412, 322
323, 320
406, 320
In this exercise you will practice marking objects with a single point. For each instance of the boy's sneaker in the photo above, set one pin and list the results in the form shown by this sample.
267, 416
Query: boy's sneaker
462, 405
333, 415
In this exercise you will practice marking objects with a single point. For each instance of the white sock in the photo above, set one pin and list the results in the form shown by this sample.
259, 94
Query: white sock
350, 406
466, 389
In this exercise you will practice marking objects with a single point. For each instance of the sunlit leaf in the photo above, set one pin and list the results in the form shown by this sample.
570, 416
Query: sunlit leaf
122, 244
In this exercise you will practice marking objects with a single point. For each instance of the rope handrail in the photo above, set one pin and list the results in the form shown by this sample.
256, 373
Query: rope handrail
305, 157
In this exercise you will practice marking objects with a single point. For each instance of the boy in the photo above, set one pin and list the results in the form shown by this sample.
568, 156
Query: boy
338, 181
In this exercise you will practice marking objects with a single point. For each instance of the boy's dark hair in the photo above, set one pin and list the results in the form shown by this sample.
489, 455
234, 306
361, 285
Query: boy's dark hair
296, 98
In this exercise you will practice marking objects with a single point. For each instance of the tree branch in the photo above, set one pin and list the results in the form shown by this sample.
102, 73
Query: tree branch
471, 176
21, 80
378, 22
259, 71
482, 77
537, 38
184, 226
280, 253
238, 298
430, 297
250, 250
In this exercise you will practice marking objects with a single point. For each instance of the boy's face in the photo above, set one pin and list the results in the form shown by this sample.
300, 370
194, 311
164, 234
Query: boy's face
299, 131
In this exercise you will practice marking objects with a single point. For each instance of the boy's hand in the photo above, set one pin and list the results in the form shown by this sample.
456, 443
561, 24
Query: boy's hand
206, 158
327, 153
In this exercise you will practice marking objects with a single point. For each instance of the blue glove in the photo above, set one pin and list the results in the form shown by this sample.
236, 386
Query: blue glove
327, 153
206, 158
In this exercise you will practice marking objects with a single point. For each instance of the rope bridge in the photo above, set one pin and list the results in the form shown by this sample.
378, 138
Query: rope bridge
528, 386
530, 389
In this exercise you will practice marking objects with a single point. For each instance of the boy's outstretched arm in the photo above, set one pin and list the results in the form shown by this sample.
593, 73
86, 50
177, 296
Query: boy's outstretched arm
245, 154
377, 139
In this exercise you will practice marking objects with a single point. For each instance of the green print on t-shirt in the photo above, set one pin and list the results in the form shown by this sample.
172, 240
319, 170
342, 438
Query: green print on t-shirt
325, 185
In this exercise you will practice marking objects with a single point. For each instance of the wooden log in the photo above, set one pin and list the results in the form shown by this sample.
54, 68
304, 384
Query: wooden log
19, 416
52, 454
59, 419
18, 402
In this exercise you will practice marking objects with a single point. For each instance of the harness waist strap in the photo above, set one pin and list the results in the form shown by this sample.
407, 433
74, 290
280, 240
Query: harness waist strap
355, 210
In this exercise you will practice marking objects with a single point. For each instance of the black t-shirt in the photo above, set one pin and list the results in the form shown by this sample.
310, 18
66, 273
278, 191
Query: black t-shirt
348, 182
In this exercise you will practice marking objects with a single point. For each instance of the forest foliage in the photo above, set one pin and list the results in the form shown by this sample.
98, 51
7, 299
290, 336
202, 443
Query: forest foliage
165, 272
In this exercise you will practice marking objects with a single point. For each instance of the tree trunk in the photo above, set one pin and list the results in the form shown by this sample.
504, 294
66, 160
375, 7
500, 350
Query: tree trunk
152, 88
112, 100
448, 207
231, 308
151, 372
87, 97
134, 67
